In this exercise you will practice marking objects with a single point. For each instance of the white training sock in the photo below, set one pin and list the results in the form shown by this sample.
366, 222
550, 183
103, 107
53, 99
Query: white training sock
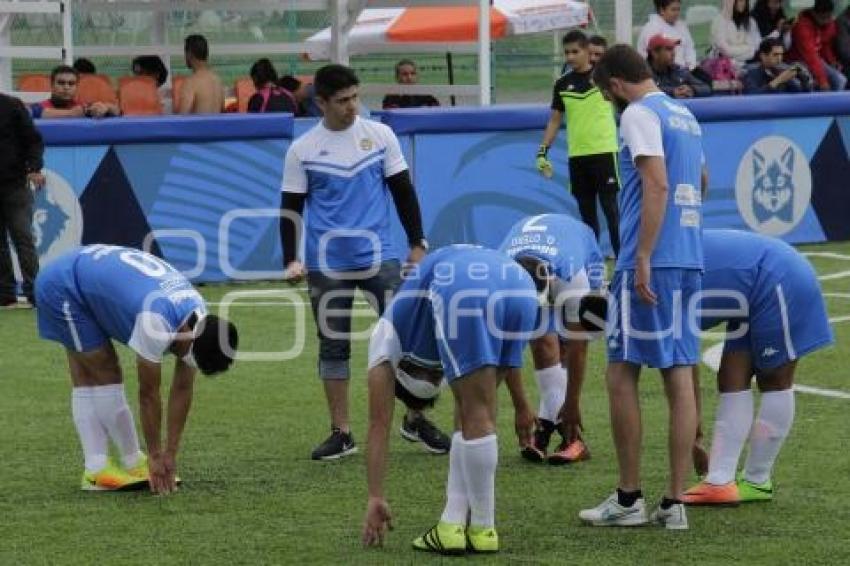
457, 504
552, 385
731, 428
114, 414
776, 414
480, 457
92, 434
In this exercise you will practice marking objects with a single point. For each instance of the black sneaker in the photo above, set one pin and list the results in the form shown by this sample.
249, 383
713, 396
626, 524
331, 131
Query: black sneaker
338, 445
536, 451
420, 429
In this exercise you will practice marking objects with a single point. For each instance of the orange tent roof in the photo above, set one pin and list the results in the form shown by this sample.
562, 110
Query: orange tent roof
444, 23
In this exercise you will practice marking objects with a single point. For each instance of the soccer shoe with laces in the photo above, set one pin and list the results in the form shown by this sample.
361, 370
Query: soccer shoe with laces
750, 492
673, 518
575, 451
141, 470
420, 429
536, 451
443, 538
111, 478
482, 540
610, 513
707, 494
338, 445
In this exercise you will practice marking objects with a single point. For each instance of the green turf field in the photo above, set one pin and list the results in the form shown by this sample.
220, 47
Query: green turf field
252, 496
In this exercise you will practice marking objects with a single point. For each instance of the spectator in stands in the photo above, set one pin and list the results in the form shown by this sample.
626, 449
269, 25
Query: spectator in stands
84, 66
202, 92
771, 19
771, 76
812, 38
304, 96
63, 102
406, 74
734, 33
673, 79
666, 22
21, 160
597, 45
269, 96
150, 66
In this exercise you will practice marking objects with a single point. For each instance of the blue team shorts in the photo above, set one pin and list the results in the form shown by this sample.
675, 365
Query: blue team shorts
790, 322
62, 313
466, 342
658, 336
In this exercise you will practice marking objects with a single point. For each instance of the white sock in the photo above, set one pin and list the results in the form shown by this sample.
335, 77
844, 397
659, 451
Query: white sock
457, 504
92, 435
731, 429
552, 384
480, 457
114, 414
776, 414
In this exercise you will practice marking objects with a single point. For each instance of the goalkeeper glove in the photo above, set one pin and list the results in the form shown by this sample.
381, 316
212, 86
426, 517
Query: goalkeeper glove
542, 162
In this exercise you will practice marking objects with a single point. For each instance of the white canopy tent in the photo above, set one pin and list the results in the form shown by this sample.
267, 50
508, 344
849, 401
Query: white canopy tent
343, 15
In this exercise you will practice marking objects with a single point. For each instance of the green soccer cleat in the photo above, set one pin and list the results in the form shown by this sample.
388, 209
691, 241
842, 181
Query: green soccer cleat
482, 540
754, 492
443, 538
111, 478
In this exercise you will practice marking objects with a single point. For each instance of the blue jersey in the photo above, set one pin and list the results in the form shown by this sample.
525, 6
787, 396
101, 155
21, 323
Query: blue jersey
462, 308
114, 292
679, 241
342, 174
568, 245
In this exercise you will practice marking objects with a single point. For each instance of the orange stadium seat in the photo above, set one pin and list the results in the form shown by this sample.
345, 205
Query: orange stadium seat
34, 82
244, 89
139, 96
96, 88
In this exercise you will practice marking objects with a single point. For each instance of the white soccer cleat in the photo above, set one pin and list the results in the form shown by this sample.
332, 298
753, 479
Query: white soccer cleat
611, 514
673, 518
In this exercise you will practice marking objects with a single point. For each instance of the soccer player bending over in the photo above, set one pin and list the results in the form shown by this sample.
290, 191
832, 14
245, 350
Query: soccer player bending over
465, 315
658, 270
96, 294
783, 319
567, 249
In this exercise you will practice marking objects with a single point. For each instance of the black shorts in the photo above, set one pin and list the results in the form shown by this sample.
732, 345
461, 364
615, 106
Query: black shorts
593, 174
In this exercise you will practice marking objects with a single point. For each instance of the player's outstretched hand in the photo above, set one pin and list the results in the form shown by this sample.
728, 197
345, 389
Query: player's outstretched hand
643, 276
295, 272
378, 521
524, 422
163, 473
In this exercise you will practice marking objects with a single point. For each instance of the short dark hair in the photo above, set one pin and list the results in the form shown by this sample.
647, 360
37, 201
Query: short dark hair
289, 83
662, 4
151, 66
823, 7
596, 306
263, 72
196, 46
598, 40
410, 400
209, 350
575, 36
63, 70
621, 62
769, 43
537, 268
83, 65
402, 63
333, 78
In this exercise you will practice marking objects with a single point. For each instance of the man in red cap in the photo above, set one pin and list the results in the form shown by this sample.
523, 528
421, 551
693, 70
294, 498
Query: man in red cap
674, 80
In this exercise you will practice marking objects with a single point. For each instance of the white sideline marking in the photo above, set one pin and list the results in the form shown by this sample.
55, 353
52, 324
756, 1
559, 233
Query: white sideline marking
711, 358
274, 303
830, 255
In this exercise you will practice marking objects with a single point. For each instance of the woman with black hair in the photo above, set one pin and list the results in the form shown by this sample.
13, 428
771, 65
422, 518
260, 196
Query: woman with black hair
269, 96
770, 18
734, 33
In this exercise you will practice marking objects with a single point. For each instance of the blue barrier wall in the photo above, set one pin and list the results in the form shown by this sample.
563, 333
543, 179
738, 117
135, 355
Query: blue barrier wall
207, 188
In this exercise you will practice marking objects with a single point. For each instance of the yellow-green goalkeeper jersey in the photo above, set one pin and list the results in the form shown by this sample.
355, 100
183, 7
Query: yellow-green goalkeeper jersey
591, 128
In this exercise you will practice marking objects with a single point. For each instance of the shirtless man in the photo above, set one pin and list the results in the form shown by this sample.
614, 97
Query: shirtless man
202, 93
